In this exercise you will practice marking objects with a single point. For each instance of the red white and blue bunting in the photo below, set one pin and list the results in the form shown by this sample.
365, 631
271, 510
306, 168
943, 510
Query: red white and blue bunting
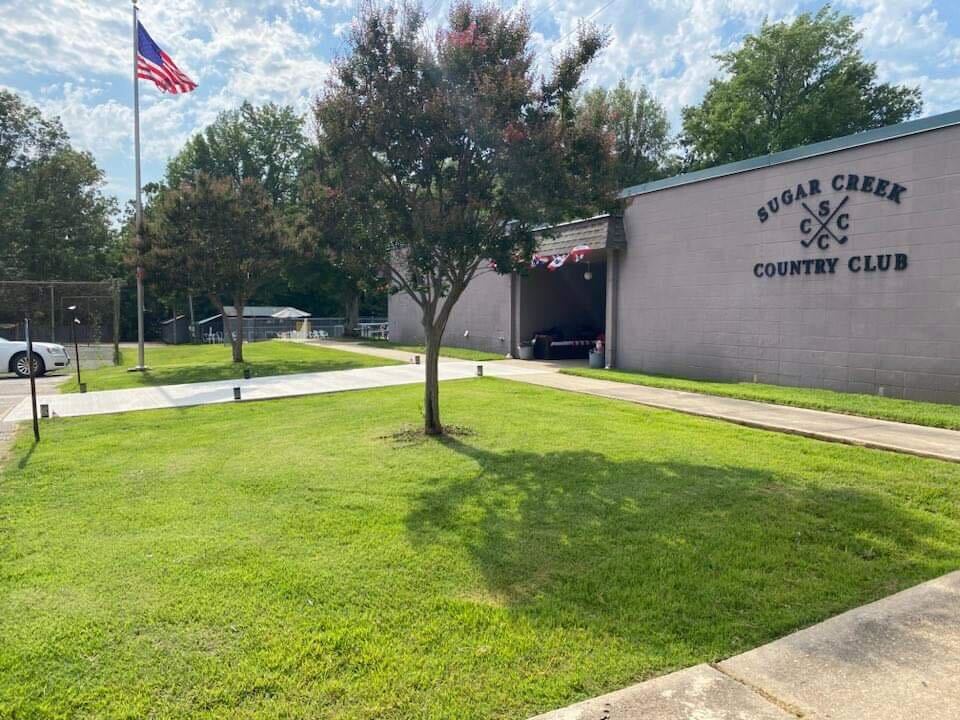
553, 262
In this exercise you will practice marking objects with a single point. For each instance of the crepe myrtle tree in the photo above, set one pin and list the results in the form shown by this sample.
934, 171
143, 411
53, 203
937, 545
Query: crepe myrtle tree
218, 236
461, 148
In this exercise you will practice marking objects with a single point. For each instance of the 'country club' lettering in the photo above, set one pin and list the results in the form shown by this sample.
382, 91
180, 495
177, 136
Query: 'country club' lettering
842, 182
828, 266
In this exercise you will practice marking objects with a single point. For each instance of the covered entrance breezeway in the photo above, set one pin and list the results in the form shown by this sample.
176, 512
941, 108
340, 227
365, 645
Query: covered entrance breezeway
562, 304
564, 308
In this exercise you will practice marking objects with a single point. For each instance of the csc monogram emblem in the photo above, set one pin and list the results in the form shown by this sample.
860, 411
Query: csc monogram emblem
825, 224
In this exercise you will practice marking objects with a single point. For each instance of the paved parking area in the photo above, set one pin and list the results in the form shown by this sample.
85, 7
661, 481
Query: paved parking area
14, 391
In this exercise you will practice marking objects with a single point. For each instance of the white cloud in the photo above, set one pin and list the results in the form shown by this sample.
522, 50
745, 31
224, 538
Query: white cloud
911, 45
668, 46
71, 39
100, 126
897, 26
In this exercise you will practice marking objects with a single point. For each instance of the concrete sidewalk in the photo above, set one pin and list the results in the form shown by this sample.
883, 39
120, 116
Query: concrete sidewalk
850, 429
278, 386
853, 430
385, 352
895, 659
356, 347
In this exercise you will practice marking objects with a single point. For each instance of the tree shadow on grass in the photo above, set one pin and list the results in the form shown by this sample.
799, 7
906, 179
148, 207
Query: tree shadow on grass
714, 559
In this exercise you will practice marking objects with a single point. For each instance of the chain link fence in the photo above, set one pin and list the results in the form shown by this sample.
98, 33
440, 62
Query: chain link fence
85, 314
178, 330
311, 328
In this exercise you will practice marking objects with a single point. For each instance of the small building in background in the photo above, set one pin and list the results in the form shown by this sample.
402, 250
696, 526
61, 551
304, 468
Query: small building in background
175, 331
264, 322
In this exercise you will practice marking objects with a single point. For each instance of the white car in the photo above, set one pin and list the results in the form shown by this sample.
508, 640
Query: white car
46, 357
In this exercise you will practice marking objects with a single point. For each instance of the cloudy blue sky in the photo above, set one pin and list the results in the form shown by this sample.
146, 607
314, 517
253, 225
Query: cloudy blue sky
73, 57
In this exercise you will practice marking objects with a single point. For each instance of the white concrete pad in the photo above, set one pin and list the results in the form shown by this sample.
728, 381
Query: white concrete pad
278, 386
895, 659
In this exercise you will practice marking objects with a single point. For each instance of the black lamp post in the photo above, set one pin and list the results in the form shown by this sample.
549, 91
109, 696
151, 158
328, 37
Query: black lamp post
76, 346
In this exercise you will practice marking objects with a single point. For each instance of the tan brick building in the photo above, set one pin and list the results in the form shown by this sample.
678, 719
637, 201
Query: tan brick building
834, 265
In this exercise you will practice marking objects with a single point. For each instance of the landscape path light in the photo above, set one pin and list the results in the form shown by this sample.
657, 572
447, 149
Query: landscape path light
76, 345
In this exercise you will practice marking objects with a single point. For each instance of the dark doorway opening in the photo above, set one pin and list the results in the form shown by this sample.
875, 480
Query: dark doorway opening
563, 311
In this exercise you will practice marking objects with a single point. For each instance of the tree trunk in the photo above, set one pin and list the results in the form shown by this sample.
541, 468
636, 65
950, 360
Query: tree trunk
237, 342
431, 385
351, 308
434, 325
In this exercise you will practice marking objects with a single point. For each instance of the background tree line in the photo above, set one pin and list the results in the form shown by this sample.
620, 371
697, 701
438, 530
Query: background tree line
55, 220
788, 84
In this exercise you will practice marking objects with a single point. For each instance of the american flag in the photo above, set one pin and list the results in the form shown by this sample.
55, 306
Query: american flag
154, 64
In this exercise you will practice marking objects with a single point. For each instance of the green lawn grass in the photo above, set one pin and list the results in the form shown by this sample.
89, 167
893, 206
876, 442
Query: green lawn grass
884, 408
295, 559
197, 363
445, 350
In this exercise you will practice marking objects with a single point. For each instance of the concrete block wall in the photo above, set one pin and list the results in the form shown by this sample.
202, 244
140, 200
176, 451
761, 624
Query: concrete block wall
690, 304
483, 312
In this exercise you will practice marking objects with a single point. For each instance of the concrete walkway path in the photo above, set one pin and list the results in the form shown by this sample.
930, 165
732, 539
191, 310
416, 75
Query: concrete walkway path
834, 427
278, 386
386, 352
850, 429
895, 659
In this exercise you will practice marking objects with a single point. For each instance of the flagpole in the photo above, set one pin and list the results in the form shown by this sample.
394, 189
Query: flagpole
139, 206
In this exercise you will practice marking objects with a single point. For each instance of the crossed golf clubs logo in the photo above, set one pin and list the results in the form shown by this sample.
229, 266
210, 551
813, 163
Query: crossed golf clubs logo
824, 232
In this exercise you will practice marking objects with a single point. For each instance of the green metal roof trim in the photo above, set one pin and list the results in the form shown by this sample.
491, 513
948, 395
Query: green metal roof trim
867, 137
